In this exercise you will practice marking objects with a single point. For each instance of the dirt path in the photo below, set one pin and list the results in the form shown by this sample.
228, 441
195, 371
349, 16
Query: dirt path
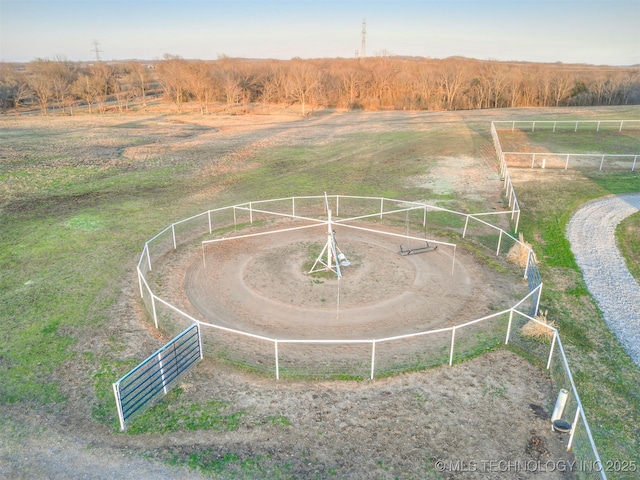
477, 420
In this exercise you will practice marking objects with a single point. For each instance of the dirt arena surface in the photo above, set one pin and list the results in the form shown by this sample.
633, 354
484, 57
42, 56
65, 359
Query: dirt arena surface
262, 285
482, 419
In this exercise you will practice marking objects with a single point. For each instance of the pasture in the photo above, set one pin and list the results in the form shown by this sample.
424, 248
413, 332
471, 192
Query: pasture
80, 196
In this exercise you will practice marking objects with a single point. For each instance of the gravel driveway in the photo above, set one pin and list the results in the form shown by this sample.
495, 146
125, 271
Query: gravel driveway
591, 233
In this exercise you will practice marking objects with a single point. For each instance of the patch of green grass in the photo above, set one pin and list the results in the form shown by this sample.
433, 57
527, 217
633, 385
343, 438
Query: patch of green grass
171, 414
488, 388
628, 237
279, 420
226, 465
605, 141
353, 164
64, 251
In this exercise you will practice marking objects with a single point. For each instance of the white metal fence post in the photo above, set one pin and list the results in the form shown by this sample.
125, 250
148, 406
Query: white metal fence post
506, 340
464, 231
146, 246
140, 283
153, 308
574, 425
526, 269
453, 340
373, 357
116, 393
200, 340
553, 346
277, 364
164, 382
539, 287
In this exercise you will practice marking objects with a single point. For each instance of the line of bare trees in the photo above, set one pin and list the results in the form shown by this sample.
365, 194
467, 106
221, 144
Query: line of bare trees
369, 83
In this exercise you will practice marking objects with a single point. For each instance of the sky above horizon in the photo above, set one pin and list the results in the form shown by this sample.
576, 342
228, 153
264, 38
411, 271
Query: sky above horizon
599, 32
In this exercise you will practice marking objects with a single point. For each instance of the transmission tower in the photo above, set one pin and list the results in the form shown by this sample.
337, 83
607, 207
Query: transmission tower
96, 49
363, 47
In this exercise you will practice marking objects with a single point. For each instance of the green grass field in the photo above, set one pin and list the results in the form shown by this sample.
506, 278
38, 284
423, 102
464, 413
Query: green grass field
73, 224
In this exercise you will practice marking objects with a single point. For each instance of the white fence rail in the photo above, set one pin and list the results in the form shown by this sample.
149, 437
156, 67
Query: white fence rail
566, 125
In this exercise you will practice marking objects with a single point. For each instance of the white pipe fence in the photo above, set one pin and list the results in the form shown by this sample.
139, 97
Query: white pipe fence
581, 439
566, 125
562, 159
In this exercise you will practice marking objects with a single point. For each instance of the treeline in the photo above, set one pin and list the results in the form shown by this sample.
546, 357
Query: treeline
368, 83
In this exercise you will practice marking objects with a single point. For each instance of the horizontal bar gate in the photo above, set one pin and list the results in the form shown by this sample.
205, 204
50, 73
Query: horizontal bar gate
137, 390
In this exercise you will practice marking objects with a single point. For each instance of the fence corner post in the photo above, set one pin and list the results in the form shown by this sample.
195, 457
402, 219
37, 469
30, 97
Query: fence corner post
453, 340
116, 393
277, 364
506, 340
373, 358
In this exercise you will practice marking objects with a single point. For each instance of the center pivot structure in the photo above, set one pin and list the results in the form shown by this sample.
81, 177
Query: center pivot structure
331, 256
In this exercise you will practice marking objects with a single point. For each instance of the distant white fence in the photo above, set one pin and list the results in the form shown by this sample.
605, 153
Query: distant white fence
564, 159
566, 125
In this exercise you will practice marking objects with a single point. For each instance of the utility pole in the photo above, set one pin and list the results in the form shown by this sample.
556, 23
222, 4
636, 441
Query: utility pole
363, 47
96, 49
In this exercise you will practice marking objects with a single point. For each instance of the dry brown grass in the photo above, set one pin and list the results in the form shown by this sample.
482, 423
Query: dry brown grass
519, 253
539, 329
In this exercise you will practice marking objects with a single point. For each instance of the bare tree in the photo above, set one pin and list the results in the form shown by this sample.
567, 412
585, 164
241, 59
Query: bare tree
124, 88
13, 88
39, 80
302, 83
499, 78
139, 79
452, 77
561, 85
62, 73
513, 88
173, 76
368, 83
425, 86
231, 90
102, 84
382, 71
350, 83
201, 84
274, 82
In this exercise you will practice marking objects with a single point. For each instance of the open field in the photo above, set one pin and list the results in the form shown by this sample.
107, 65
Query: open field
81, 195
